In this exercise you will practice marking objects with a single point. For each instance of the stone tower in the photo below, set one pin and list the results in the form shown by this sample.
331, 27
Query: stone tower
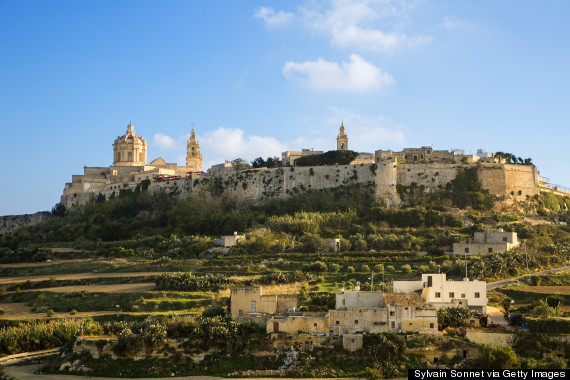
129, 149
342, 139
193, 155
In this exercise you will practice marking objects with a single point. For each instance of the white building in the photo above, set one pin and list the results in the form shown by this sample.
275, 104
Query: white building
437, 290
487, 242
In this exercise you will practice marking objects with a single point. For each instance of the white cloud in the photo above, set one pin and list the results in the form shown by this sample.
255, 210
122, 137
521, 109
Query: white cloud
164, 142
450, 23
273, 19
354, 76
368, 25
365, 133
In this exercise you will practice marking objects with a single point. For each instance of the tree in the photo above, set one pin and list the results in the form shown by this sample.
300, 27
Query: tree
453, 316
312, 243
335, 267
59, 209
495, 357
365, 268
506, 303
240, 164
406, 268
259, 162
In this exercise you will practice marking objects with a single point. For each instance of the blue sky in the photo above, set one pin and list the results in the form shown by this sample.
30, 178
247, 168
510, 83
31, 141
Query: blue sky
259, 77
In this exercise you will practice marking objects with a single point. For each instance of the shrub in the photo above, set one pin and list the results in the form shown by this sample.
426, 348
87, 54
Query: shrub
350, 269
365, 268
406, 268
379, 268
335, 268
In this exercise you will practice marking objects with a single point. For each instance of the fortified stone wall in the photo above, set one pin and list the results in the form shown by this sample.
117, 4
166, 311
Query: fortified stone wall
10, 223
258, 184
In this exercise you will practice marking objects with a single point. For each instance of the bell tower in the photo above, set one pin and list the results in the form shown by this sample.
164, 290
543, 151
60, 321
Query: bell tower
342, 139
193, 155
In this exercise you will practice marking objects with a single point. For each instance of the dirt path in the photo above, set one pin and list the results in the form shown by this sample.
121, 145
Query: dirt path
497, 315
43, 264
496, 284
76, 276
113, 288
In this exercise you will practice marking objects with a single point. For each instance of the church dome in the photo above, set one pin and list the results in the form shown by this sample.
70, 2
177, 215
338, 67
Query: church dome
130, 137
130, 149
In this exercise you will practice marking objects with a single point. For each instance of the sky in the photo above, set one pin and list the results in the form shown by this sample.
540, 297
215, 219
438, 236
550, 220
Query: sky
256, 78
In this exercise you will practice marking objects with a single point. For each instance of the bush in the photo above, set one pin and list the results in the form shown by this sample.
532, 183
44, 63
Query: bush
350, 269
335, 268
406, 268
185, 281
312, 243
365, 268
379, 268
317, 266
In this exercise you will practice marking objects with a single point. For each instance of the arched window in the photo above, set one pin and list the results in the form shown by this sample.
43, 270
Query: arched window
130, 156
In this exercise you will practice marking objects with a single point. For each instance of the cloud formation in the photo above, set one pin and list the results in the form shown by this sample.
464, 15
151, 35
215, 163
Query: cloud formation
367, 25
273, 19
366, 134
357, 75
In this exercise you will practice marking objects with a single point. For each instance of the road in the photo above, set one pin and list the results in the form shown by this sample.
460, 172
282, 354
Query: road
496, 284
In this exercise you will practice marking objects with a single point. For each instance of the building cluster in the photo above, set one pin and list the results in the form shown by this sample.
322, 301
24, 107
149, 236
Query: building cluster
130, 166
358, 312
428, 154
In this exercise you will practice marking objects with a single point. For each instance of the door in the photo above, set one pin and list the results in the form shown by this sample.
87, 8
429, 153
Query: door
275, 326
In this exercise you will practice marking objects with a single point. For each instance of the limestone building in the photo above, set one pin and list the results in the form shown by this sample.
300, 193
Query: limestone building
436, 290
251, 300
129, 168
358, 312
487, 242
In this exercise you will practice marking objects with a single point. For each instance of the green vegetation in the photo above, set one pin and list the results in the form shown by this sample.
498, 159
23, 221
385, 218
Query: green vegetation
333, 157
43, 335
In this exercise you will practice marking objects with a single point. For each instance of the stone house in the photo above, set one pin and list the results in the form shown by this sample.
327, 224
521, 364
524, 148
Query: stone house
436, 290
487, 242
251, 300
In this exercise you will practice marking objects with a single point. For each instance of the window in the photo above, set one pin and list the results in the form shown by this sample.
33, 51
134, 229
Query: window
437, 295
393, 324
315, 324
431, 326
490, 250
343, 302
337, 322
253, 306
505, 238
462, 295
466, 250
451, 294
477, 295
391, 313
356, 321
130, 156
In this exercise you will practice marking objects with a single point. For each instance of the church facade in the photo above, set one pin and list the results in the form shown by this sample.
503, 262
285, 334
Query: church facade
130, 166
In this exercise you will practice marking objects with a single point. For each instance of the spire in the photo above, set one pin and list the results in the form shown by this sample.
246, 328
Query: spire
130, 128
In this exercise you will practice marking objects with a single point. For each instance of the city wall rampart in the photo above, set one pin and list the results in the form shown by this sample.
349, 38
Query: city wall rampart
257, 184
11, 223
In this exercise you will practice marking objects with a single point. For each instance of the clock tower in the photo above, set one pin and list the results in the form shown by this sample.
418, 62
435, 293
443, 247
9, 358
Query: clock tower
342, 139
